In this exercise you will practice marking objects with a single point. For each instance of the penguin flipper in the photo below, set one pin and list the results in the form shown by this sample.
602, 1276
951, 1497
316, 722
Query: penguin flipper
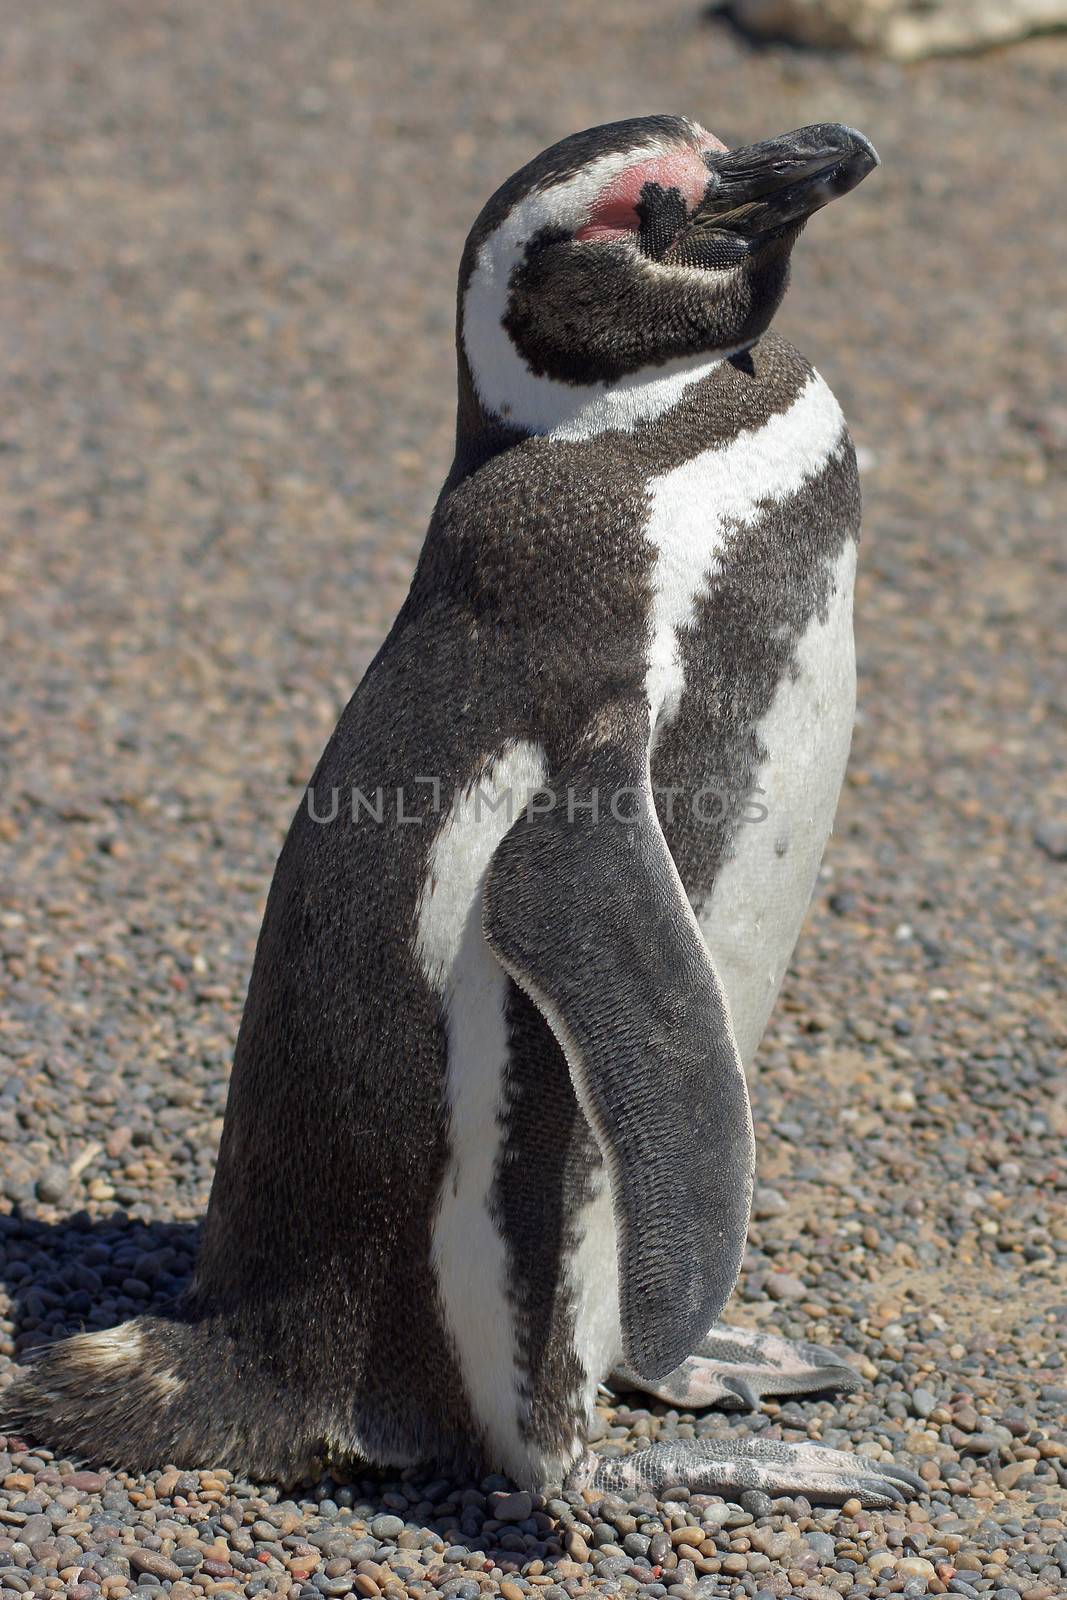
585, 910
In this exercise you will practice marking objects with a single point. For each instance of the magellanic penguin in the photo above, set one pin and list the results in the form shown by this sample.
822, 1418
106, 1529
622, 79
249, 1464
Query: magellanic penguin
488, 1139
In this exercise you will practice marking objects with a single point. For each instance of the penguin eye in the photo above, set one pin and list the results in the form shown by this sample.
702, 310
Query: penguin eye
662, 214
649, 200
656, 218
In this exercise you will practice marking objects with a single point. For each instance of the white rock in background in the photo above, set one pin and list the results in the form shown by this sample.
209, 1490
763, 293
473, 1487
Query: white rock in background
905, 30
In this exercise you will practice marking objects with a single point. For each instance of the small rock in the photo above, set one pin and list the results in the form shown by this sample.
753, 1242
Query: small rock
823, 1545
512, 1507
1050, 836
916, 1567
576, 1546
659, 1549
152, 1562
783, 1286
88, 1482
52, 1185
386, 1527
769, 1203
1009, 1476
898, 29
716, 1516
771, 1543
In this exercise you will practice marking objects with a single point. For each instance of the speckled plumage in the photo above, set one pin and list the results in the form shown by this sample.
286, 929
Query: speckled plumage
465, 1016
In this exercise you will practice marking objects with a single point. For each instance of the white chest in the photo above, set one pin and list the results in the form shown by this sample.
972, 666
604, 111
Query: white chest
752, 919
754, 915
695, 506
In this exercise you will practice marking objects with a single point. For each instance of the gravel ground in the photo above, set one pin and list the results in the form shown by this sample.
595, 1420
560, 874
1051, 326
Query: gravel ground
229, 237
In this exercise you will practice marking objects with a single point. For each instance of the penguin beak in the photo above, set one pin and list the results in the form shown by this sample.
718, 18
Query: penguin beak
763, 189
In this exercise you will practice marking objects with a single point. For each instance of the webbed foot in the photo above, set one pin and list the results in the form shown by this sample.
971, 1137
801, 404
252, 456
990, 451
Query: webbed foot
736, 1367
729, 1466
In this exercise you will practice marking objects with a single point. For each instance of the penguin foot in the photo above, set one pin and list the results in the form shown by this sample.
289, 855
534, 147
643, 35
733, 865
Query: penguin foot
736, 1367
729, 1466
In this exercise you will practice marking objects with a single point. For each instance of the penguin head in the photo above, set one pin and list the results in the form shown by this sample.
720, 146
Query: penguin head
633, 246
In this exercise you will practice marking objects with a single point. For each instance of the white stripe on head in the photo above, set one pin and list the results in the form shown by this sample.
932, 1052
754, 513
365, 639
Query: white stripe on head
504, 383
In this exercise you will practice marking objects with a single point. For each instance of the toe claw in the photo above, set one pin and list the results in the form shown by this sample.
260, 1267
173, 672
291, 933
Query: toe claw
904, 1475
744, 1391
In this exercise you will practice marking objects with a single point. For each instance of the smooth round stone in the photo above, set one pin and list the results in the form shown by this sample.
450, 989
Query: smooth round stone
512, 1507
36, 1529
387, 1527
53, 1184
756, 1502
923, 1402
823, 1545
716, 1516
769, 1203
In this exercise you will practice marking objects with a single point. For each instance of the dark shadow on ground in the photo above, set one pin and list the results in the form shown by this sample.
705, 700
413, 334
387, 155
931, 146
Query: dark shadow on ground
79, 1274
63, 1277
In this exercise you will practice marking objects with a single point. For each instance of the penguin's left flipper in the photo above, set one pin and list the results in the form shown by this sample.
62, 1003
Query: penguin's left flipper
730, 1465
585, 909
736, 1367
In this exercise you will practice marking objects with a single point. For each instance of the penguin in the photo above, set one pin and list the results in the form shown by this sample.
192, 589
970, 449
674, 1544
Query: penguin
488, 1142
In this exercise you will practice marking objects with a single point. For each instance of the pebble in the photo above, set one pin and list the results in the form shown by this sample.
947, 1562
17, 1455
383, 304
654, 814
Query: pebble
53, 1184
387, 1527
151, 1562
512, 1507
784, 1286
768, 1203
1051, 835
916, 1567
922, 1402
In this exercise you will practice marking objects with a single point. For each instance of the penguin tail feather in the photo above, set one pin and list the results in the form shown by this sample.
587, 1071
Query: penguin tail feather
156, 1392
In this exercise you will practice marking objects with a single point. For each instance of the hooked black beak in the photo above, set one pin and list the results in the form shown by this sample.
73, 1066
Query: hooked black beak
764, 189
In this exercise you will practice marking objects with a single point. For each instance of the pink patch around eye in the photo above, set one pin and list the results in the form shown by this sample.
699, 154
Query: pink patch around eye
613, 213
